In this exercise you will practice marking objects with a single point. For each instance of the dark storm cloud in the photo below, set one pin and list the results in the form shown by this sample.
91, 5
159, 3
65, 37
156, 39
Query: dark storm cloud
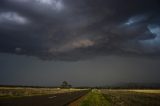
79, 29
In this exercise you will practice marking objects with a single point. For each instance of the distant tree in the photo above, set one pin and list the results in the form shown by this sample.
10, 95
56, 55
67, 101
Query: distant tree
65, 85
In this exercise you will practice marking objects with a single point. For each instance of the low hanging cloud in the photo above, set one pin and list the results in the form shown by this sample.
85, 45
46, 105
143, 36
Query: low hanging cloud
79, 29
11, 17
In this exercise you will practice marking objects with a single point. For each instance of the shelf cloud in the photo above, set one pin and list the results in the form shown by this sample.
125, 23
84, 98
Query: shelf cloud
72, 30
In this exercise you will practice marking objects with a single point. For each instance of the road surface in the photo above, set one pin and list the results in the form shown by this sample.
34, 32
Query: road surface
47, 100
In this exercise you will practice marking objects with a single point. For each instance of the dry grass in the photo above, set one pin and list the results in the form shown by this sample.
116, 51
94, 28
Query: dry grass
132, 97
22, 91
146, 91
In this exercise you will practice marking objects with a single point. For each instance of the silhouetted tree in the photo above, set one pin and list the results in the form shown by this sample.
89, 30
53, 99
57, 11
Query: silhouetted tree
65, 85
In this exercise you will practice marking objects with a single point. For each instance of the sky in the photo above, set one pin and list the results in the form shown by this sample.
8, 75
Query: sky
85, 42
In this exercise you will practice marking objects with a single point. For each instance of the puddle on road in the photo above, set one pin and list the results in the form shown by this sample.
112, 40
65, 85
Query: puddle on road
52, 97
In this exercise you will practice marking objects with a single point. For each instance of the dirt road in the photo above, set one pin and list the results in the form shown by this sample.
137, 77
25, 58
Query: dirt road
48, 100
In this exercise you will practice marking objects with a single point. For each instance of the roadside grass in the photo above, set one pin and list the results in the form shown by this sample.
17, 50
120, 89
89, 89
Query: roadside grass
14, 92
94, 98
131, 98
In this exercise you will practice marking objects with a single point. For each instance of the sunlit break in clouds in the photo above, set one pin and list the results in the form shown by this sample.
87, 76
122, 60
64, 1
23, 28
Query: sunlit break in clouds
55, 4
11, 17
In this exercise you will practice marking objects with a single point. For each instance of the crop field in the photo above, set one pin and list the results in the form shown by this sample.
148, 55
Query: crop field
132, 97
7, 92
20, 96
146, 91
107, 97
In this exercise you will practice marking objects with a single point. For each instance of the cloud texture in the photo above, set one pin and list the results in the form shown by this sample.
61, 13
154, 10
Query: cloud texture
79, 29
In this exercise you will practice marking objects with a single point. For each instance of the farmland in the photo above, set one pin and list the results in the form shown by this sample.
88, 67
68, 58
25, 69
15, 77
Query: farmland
106, 97
132, 97
147, 91
7, 92
21, 96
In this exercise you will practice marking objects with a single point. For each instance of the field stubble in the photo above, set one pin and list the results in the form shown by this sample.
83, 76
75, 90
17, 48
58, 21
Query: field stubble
132, 97
7, 92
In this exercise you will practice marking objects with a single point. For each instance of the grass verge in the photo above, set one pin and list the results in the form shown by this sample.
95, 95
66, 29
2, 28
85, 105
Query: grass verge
94, 98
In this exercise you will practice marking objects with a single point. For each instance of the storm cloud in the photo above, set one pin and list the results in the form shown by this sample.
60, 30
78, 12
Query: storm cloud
79, 29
